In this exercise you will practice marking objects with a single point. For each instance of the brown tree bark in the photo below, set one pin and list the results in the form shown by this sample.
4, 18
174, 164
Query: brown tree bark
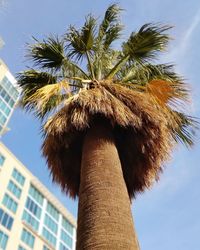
104, 214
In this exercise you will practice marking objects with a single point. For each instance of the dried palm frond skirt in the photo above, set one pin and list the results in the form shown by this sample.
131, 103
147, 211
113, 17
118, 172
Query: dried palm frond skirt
139, 127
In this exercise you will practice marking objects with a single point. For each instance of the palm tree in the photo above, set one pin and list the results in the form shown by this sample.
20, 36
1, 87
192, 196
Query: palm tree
110, 118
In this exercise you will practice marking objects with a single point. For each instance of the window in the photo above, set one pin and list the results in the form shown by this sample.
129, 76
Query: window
6, 83
45, 248
67, 226
18, 176
49, 237
63, 247
6, 97
30, 220
2, 119
14, 189
5, 219
52, 211
9, 203
4, 107
66, 239
8, 86
36, 195
27, 238
2, 159
33, 207
11, 103
21, 248
3, 240
50, 224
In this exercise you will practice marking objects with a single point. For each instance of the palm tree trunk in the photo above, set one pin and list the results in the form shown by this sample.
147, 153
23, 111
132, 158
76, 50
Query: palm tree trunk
104, 212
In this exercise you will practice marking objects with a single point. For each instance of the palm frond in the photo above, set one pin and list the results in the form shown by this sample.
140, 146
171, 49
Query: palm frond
71, 69
30, 81
145, 44
111, 17
47, 54
117, 67
167, 92
51, 105
113, 33
160, 81
111, 27
185, 128
81, 41
51, 94
37, 78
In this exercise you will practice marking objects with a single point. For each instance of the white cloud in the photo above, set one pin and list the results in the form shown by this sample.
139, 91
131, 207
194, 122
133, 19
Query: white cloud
190, 31
180, 51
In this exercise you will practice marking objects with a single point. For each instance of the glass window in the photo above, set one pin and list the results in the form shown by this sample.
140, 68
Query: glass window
33, 207
45, 248
4, 107
67, 226
14, 189
18, 176
7, 111
5, 219
3, 93
7, 98
27, 238
63, 247
30, 220
2, 159
36, 195
10, 203
5, 82
66, 238
2, 119
11, 103
49, 237
3, 240
21, 248
52, 211
10, 89
50, 224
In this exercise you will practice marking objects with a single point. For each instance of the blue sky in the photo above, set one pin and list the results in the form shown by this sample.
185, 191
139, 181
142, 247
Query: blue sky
168, 215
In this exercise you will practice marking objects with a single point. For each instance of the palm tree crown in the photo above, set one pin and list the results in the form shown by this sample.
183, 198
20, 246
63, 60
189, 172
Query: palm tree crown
82, 76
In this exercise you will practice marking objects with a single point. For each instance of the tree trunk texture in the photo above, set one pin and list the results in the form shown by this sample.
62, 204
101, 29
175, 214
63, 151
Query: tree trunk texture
104, 212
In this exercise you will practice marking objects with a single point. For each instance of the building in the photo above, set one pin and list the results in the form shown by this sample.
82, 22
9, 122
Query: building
9, 94
30, 216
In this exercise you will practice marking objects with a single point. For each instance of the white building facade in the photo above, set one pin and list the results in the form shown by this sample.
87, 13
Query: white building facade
30, 216
9, 94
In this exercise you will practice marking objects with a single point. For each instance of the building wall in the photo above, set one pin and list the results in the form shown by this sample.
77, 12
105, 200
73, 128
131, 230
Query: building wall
11, 169
9, 94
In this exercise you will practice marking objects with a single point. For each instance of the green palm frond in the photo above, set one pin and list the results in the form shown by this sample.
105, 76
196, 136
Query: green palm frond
37, 78
145, 44
112, 35
48, 97
111, 27
185, 128
117, 67
71, 70
111, 17
47, 54
79, 42
31, 80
